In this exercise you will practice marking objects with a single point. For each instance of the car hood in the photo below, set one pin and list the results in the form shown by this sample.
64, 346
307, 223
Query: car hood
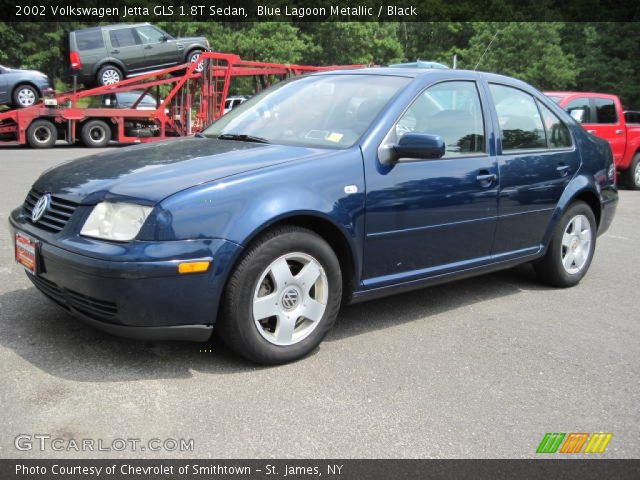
202, 40
152, 172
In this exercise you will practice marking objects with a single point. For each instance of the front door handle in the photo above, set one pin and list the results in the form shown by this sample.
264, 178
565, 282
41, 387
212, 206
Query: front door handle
563, 169
591, 131
485, 178
148, 47
115, 51
619, 132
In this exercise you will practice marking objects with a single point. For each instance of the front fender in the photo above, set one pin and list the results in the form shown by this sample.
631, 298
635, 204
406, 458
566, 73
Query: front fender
239, 207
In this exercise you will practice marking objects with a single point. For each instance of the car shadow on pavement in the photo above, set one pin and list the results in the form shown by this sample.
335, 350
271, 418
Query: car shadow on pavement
55, 342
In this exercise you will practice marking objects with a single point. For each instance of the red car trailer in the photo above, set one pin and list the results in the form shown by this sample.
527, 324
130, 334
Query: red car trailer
195, 99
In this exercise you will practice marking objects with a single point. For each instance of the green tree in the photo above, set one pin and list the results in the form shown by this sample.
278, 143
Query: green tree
532, 52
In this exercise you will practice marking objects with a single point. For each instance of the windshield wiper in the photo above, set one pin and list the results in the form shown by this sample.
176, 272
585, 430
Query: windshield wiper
242, 137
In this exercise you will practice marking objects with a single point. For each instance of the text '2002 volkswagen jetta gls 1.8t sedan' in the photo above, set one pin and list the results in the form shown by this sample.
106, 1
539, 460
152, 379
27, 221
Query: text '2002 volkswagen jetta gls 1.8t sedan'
335, 187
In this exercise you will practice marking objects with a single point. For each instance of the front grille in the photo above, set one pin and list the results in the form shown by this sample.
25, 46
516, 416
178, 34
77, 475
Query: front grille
56, 216
89, 306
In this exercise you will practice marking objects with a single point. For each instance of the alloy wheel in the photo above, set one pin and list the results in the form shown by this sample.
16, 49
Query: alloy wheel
290, 299
26, 97
576, 244
109, 77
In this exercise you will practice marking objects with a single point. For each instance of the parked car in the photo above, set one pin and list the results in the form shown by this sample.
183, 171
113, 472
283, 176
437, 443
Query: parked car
277, 214
602, 115
233, 102
23, 88
108, 54
130, 99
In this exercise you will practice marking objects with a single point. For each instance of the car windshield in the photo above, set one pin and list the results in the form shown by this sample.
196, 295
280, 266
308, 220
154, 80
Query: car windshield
331, 111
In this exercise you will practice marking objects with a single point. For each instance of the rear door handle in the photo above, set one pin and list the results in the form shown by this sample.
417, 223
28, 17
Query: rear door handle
591, 131
148, 47
619, 132
486, 179
115, 51
563, 169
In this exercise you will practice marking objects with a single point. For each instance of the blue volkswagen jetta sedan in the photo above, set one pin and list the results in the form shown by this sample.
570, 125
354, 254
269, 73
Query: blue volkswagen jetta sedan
333, 188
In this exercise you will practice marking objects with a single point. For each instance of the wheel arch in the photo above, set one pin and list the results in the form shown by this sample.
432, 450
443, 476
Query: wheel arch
329, 231
109, 61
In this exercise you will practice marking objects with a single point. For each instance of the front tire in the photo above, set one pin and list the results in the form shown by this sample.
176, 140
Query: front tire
571, 249
282, 298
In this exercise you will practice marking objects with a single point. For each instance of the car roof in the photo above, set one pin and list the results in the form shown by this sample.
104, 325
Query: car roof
580, 94
114, 25
436, 73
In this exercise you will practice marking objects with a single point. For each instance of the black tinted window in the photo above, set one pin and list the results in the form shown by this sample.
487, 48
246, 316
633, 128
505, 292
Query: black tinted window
605, 111
451, 110
632, 117
122, 38
558, 135
89, 40
520, 123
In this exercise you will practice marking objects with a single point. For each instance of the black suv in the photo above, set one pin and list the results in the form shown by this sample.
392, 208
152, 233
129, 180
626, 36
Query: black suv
108, 54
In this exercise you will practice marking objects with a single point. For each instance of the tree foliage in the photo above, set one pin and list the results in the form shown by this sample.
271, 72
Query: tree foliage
550, 55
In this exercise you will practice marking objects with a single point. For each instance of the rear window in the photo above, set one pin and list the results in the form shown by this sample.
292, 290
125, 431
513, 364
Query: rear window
122, 38
605, 110
89, 40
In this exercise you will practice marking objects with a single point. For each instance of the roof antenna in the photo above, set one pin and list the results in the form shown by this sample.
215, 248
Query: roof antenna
486, 49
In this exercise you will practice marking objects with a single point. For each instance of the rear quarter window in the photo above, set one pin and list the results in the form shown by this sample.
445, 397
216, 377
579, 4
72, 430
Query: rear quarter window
89, 40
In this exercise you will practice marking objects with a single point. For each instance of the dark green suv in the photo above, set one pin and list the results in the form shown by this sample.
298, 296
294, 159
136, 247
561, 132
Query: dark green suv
108, 54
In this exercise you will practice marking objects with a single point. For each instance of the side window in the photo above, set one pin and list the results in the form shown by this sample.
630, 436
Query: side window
579, 110
558, 135
148, 34
605, 110
89, 40
122, 38
520, 123
451, 110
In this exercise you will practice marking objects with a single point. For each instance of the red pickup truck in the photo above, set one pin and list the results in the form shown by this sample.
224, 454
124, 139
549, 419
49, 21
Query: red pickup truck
602, 115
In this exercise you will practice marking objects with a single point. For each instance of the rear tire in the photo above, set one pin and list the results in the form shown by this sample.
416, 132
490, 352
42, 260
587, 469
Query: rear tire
42, 134
632, 175
95, 134
571, 249
25, 96
282, 297
108, 75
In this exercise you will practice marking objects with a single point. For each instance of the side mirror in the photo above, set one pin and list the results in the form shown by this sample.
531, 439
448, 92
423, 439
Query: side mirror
419, 146
164, 38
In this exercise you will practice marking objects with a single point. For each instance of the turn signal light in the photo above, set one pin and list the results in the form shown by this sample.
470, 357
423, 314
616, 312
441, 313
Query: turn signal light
193, 267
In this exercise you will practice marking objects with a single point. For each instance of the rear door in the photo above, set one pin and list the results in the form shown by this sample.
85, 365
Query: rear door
126, 47
159, 49
537, 159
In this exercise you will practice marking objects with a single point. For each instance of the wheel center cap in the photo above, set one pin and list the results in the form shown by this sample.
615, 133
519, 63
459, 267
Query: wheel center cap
290, 298
574, 244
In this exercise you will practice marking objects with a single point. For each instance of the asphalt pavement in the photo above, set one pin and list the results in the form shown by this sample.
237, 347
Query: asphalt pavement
480, 368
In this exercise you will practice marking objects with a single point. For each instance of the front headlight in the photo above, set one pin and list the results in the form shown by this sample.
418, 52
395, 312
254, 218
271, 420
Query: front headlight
115, 221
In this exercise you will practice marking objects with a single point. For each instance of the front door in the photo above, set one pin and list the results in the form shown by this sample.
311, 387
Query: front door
428, 216
159, 50
537, 159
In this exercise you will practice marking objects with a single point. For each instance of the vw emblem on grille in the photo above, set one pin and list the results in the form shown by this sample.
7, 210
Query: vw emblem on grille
41, 207
290, 299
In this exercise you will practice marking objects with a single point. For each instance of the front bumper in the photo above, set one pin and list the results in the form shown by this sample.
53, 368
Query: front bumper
145, 297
